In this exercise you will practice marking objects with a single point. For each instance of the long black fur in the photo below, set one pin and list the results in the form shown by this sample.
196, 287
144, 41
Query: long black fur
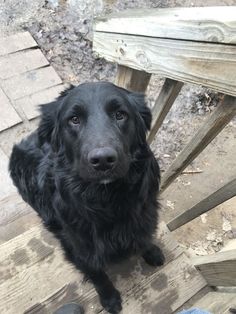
99, 217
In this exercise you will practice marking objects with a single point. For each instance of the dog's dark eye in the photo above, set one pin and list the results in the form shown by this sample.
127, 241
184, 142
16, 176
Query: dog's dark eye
75, 120
121, 115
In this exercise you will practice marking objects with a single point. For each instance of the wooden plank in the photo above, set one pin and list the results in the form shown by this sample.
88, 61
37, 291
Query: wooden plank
30, 82
21, 62
9, 116
16, 42
223, 194
33, 284
68, 293
220, 117
165, 239
162, 292
16, 217
165, 290
189, 304
30, 103
33, 260
126, 276
131, 79
169, 92
212, 65
217, 302
18, 226
20, 252
12, 207
218, 269
209, 24
6, 185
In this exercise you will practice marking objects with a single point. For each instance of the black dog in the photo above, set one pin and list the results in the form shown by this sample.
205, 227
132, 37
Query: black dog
92, 178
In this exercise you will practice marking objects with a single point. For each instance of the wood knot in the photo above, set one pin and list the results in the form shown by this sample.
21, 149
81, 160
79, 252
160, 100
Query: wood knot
143, 59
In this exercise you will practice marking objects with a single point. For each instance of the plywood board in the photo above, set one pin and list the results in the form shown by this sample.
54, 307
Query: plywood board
20, 62
34, 276
8, 115
30, 103
16, 42
30, 82
6, 185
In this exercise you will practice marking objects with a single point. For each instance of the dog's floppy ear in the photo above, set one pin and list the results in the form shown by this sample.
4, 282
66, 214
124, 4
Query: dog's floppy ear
138, 101
48, 130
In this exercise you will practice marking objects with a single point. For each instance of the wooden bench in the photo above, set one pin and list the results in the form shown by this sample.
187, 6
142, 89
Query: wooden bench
184, 45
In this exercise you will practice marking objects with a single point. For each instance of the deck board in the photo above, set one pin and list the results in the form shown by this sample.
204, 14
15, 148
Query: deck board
6, 186
217, 302
30, 82
8, 116
23, 61
30, 103
26, 80
34, 259
16, 42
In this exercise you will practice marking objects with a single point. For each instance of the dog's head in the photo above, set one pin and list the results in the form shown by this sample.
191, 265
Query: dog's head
99, 126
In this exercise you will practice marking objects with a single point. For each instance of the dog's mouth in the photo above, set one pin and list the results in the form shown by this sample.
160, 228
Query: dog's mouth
106, 181
103, 177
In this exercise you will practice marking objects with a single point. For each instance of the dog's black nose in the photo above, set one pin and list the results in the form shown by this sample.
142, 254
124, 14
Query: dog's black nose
102, 158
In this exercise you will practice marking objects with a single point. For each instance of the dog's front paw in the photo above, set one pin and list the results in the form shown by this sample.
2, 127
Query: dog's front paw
111, 301
154, 256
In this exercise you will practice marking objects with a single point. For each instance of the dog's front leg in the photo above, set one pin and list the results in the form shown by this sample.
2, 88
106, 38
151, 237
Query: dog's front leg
153, 256
108, 295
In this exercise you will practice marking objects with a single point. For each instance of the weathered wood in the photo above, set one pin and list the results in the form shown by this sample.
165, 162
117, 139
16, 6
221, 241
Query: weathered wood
189, 304
34, 259
19, 253
223, 194
20, 62
212, 65
169, 92
218, 269
12, 207
16, 227
6, 185
210, 24
30, 103
8, 116
131, 79
33, 284
16, 216
165, 290
30, 82
125, 276
220, 117
16, 42
217, 302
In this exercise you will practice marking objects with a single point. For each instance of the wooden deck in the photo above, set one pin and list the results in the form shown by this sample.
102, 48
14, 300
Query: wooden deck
34, 276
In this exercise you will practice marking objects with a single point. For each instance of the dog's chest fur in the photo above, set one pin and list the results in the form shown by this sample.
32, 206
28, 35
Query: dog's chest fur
110, 220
